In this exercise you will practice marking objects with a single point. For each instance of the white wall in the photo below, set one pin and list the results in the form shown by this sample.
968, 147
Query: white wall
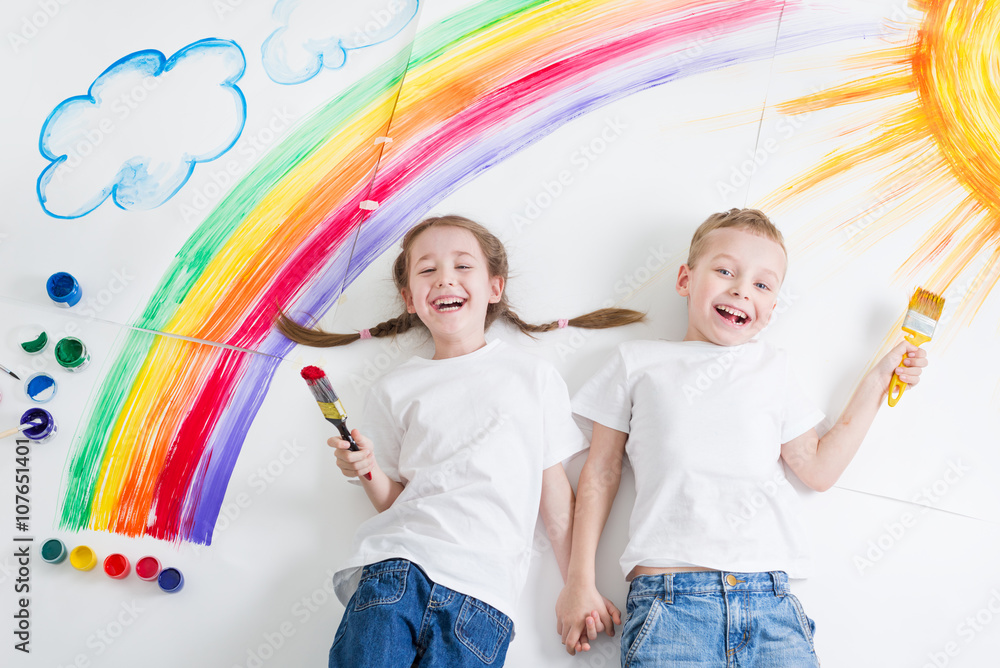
905, 545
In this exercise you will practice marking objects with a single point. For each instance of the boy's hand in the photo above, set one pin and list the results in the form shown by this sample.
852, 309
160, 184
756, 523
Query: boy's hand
581, 614
908, 369
354, 464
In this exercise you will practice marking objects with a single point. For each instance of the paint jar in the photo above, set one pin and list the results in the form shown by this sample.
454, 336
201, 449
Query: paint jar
63, 289
36, 345
147, 568
71, 354
170, 580
43, 431
117, 566
83, 558
40, 387
53, 551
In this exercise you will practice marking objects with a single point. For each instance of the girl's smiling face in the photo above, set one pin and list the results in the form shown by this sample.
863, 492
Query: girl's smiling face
449, 288
733, 287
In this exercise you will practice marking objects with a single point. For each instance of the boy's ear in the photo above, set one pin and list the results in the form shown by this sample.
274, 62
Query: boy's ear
497, 284
408, 300
684, 281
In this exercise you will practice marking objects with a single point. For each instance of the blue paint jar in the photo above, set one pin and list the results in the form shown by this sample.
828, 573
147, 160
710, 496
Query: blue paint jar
63, 289
170, 580
41, 432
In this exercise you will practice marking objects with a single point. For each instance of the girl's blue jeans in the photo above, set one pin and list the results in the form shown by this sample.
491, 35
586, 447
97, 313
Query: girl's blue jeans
398, 618
716, 619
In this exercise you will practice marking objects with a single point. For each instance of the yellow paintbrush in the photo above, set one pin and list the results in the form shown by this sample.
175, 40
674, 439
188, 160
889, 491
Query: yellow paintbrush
921, 319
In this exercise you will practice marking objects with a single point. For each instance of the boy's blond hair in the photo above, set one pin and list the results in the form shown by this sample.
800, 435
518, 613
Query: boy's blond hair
751, 220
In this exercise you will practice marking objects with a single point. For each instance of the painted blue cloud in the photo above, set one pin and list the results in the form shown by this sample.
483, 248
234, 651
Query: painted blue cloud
314, 34
141, 128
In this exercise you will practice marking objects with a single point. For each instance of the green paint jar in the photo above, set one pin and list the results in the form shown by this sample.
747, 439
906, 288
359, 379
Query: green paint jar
53, 551
71, 354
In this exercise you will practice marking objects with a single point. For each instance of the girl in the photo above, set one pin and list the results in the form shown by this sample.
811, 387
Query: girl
462, 449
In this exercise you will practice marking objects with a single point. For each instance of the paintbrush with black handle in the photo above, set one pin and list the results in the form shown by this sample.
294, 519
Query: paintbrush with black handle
330, 404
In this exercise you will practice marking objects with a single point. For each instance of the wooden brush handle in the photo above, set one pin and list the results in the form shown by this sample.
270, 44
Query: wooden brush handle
11, 432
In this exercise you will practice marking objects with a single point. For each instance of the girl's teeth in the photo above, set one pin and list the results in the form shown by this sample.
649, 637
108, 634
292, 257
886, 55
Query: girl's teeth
448, 305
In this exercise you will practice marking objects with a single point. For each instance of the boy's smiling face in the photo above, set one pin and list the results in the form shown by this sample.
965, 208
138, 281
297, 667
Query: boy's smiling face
733, 287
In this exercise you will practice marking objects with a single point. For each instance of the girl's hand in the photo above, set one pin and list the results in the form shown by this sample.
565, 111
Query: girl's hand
908, 369
354, 464
581, 614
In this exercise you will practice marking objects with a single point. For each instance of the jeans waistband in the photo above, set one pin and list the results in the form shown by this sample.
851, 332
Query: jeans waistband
708, 582
387, 566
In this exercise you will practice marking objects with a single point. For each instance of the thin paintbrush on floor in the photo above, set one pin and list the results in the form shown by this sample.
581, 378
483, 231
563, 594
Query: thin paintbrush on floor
19, 429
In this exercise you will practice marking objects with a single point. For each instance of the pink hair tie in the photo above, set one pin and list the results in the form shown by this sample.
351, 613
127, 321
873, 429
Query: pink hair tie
563, 323
365, 334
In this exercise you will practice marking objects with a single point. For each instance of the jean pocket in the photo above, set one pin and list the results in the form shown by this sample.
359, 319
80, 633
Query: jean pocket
808, 625
643, 614
484, 630
380, 588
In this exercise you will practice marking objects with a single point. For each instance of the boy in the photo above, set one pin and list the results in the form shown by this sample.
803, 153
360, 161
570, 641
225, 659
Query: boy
701, 567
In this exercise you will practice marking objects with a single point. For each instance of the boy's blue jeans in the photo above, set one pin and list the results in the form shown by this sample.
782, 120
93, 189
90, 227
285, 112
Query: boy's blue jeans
717, 619
399, 618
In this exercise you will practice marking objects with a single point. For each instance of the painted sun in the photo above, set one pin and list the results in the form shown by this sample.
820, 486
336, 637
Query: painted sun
938, 143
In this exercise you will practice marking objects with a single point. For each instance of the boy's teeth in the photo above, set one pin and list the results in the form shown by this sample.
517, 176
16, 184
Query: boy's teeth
734, 311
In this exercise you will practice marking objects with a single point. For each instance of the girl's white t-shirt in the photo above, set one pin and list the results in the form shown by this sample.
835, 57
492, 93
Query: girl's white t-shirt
706, 424
469, 438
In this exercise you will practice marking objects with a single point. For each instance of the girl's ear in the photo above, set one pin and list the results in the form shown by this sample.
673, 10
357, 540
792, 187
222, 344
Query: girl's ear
684, 281
497, 284
408, 300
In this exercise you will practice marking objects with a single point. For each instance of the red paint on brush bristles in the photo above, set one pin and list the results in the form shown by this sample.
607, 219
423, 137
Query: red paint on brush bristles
312, 373
319, 385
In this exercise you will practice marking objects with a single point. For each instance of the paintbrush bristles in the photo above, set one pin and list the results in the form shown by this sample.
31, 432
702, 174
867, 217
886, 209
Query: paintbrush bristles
323, 393
322, 390
927, 304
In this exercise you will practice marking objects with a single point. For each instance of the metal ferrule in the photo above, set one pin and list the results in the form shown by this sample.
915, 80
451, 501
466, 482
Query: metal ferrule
333, 411
917, 322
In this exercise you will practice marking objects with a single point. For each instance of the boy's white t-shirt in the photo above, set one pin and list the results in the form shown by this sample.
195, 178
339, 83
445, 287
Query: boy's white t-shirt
469, 438
705, 425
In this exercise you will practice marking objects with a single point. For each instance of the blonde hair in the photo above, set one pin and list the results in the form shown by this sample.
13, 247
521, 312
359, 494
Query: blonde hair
753, 221
496, 260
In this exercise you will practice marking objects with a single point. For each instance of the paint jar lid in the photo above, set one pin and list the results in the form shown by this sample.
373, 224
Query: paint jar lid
63, 289
36, 345
53, 551
40, 387
147, 568
170, 580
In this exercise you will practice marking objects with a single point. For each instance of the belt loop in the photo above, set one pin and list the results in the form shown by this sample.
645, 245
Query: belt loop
668, 588
780, 583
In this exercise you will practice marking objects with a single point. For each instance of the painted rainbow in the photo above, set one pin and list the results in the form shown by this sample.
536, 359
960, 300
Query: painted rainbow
163, 431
